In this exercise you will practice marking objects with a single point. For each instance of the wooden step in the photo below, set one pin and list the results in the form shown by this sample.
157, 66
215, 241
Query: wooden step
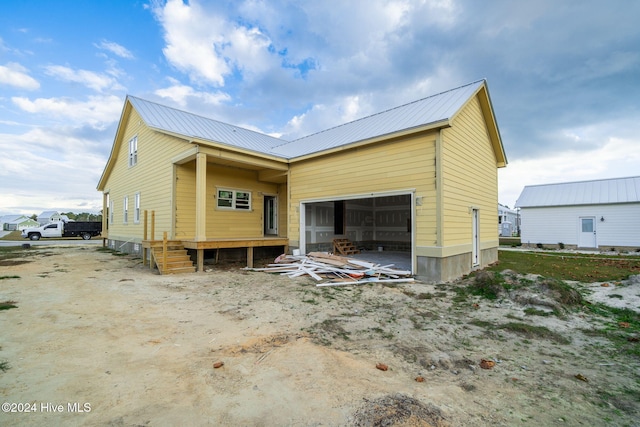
344, 247
178, 260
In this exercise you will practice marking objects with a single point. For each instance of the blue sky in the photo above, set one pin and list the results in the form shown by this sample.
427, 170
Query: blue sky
564, 77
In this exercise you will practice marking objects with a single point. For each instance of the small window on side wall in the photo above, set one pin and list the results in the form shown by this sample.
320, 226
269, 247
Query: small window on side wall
133, 151
233, 199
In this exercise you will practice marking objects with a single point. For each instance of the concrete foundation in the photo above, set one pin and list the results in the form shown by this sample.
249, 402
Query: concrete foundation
437, 270
132, 248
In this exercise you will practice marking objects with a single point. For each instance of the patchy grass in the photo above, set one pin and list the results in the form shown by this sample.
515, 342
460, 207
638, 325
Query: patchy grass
537, 332
14, 235
6, 305
569, 266
4, 366
488, 285
9, 277
621, 327
523, 329
111, 251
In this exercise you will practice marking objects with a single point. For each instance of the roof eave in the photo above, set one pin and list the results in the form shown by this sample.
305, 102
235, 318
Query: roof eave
113, 154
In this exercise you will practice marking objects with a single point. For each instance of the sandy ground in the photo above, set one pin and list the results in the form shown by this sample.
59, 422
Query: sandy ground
98, 339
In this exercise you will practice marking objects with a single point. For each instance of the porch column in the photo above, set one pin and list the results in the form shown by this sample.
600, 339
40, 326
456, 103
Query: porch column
105, 218
201, 205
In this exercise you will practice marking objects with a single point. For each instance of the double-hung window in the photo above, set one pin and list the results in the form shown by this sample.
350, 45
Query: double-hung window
233, 199
136, 208
133, 151
125, 210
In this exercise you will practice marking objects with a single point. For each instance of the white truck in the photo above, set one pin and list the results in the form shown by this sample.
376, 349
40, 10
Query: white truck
84, 229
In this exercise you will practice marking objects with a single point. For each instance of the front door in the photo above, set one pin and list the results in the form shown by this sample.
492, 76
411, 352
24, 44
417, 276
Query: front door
270, 215
587, 232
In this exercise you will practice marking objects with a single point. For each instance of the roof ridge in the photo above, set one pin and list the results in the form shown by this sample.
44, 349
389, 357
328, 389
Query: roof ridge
583, 181
383, 112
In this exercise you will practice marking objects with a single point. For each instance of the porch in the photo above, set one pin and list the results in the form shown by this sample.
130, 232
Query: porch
162, 247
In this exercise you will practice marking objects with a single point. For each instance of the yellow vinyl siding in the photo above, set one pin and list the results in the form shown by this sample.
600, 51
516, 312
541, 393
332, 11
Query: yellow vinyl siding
393, 165
469, 178
151, 177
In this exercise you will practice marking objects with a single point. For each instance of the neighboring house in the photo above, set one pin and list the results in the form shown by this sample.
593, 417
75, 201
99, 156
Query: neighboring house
48, 216
508, 221
16, 222
421, 177
587, 214
6, 219
22, 223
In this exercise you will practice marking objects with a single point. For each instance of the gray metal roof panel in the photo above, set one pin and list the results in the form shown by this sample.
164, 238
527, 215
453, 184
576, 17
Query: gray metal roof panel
191, 125
603, 191
433, 109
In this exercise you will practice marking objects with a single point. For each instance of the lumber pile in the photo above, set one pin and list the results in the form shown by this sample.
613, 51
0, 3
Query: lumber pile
334, 270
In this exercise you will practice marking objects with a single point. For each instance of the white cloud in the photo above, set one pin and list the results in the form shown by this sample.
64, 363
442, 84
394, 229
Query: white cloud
52, 173
181, 94
194, 40
90, 79
97, 111
16, 75
115, 48
324, 116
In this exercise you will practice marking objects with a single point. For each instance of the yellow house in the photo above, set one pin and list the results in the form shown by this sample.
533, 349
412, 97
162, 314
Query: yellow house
419, 178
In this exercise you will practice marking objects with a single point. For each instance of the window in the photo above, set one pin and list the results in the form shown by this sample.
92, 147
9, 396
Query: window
125, 210
234, 199
110, 211
136, 209
133, 151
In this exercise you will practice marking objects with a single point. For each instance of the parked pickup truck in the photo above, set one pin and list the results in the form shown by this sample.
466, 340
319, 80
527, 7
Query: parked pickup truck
84, 229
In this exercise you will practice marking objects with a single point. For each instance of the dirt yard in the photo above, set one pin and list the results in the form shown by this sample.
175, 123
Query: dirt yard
98, 339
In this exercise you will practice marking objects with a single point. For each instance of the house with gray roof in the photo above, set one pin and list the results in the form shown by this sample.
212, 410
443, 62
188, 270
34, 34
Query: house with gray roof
597, 214
420, 178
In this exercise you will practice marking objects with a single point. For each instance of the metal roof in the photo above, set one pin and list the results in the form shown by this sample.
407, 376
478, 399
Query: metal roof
602, 191
433, 109
197, 127
430, 110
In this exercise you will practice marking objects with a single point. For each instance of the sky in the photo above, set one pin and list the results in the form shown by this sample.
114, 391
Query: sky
563, 76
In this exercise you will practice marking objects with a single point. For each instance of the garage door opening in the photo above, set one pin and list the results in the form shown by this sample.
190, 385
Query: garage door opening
380, 227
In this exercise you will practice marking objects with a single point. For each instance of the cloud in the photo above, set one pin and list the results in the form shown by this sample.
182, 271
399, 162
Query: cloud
90, 79
14, 74
615, 158
97, 111
194, 40
181, 94
115, 48
54, 168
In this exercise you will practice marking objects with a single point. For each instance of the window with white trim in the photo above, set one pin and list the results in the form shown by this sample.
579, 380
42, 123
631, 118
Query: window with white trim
110, 211
125, 210
136, 208
133, 151
233, 199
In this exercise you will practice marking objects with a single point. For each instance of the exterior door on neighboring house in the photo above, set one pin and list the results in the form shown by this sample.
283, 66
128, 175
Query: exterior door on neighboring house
475, 244
270, 215
587, 232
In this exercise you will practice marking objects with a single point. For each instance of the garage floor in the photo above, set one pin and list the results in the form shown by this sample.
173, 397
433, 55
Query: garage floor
400, 260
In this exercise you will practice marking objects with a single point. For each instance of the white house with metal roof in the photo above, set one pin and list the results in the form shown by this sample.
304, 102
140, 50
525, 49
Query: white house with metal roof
598, 214
420, 178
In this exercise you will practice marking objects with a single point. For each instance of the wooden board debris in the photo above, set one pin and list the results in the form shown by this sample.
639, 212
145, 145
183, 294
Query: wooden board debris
335, 270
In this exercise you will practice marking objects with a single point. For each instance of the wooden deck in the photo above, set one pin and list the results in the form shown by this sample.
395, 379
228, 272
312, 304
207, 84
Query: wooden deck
202, 245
